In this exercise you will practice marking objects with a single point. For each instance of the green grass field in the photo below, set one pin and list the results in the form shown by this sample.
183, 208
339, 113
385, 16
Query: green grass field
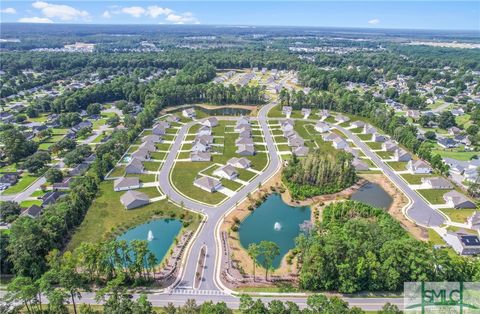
107, 217
460, 155
415, 178
458, 215
433, 196
397, 165
26, 204
152, 165
365, 137
374, 145
384, 155
118, 171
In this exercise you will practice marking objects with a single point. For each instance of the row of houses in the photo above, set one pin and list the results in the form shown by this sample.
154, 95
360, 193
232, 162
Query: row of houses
244, 143
294, 140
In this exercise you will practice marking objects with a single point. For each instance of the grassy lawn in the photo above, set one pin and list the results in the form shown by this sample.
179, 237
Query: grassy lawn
374, 145
9, 168
24, 182
150, 191
434, 238
385, 155
144, 177
118, 171
245, 175
397, 165
415, 178
365, 137
107, 217
369, 162
357, 130
163, 146
183, 175
433, 196
232, 185
460, 155
151, 165
283, 147
330, 119
38, 193
26, 204
458, 215
277, 132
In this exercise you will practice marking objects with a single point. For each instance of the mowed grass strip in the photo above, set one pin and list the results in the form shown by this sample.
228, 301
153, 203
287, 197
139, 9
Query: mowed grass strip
458, 215
434, 196
374, 145
415, 178
397, 165
24, 182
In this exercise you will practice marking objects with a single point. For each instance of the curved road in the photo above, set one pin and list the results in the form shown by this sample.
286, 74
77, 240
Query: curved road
214, 214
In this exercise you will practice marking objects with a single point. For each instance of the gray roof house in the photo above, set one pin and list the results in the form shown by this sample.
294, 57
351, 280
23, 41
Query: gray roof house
322, 127
173, 118
242, 128
148, 146
158, 129
455, 199
243, 121
242, 163
64, 185
244, 140
287, 125
200, 156
330, 137
141, 154
360, 164
204, 130
389, 146
418, 166
339, 143
290, 133
135, 166
200, 146
462, 242
300, 151
245, 134
357, 124
473, 221
133, 199
206, 138
401, 155
153, 138
228, 172
341, 118
33, 211
207, 184
210, 122
245, 150
295, 141
126, 183
437, 183
189, 113
376, 137
368, 129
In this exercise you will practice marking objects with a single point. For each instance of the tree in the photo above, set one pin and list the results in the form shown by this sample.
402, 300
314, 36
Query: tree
268, 252
430, 135
215, 308
9, 211
389, 308
473, 130
23, 289
94, 109
37, 162
114, 120
83, 133
253, 251
15, 145
54, 175
446, 120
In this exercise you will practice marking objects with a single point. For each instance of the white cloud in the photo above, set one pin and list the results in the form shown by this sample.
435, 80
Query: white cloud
155, 11
374, 22
134, 11
8, 11
35, 20
184, 18
107, 14
61, 11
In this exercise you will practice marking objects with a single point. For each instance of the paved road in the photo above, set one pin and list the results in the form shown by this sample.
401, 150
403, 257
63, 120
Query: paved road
213, 214
419, 211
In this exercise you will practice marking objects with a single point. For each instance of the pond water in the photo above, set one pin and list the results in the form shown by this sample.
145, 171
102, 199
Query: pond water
159, 233
373, 194
274, 221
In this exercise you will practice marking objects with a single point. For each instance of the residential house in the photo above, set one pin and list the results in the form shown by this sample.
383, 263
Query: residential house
9, 179
208, 184
200, 156
173, 119
359, 164
339, 143
79, 170
437, 183
287, 111
357, 124
401, 155
324, 113
322, 127
133, 199
33, 212
287, 125
82, 125
206, 138
376, 137
242, 163
330, 137
228, 172
244, 141
368, 129
454, 130
446, 142
454, 199
152, 138
64, 185
204, 130
462, 242
457, 112
306, 112
210, 122
148, 146
414, 114
473, 222
200, 145
353, 151
295, 141
126, 183
341, 118
159, 129
300, 151
141, 154
51, 197
242, 128
189, 113
418, 167
245, 150
135, 166
389, 146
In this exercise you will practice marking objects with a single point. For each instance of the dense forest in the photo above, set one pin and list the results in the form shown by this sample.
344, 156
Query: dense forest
319, 173
357, 247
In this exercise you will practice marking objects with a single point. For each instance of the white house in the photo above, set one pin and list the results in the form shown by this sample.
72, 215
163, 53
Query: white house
418, 167
437, 183
287, 125
210, 122
208, 184
204, 130
228, 172
341, 118
306, 112
188, 113
322, 127
287, 111
462, 242
242, 163
401, 155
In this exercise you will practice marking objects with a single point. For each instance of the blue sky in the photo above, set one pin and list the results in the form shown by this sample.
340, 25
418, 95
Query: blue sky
373, 14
